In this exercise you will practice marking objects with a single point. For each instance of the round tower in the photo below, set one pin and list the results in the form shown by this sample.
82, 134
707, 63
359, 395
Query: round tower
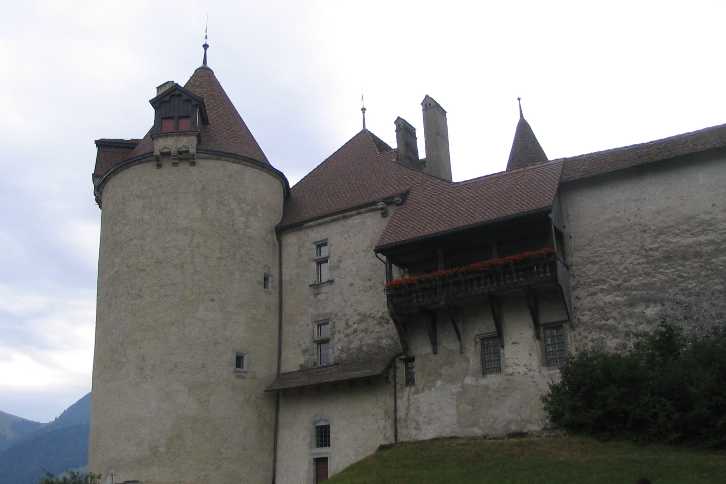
187, 311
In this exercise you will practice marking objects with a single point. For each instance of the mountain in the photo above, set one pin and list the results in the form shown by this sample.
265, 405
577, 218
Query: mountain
13, 428
53, 447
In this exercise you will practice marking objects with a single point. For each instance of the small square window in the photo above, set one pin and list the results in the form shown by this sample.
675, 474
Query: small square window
322, 436
555, 345
185, 123
240, 361
491, 355
167, 125
409, 370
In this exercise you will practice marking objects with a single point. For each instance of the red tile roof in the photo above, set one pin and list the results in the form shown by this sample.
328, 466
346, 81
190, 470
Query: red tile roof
362, 171
600, 162
226, 131
436, 208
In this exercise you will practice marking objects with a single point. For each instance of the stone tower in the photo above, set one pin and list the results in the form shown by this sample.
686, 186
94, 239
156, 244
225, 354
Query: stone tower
187, 312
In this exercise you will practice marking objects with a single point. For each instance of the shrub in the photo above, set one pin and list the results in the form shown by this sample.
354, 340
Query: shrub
71, 477
668, 388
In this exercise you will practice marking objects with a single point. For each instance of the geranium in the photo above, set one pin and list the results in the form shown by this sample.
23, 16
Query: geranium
474, 267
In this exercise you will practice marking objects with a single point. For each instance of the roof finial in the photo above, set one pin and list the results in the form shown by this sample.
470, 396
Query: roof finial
205, 45
363, 110
519, 100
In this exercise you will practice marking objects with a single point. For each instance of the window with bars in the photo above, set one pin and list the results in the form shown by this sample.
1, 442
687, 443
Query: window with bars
240, 361
322, 435
322, 255
555, 345
323, 344
491, 355
409, 371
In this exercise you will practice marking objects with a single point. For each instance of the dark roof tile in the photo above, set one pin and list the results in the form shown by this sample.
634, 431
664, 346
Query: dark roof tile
601, 162
436, 208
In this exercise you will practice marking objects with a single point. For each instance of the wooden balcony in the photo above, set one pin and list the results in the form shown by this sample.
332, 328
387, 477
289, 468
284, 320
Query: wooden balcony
462, 285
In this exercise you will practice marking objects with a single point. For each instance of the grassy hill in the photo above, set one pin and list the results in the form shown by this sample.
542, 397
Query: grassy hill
553, 460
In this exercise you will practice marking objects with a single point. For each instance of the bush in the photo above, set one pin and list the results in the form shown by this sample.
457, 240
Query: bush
668, 388
71, 477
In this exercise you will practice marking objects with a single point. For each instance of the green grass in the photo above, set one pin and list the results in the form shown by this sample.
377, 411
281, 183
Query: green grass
552, 460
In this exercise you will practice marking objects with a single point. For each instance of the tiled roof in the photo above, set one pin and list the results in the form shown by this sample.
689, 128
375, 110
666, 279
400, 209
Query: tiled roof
526, 150
362, 171
226, 131
436, 208
592, 164
110, 152
329, 374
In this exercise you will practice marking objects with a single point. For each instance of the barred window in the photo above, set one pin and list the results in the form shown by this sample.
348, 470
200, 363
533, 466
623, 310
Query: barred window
240, 361
555, 345
491, 355
322, 435
409, 370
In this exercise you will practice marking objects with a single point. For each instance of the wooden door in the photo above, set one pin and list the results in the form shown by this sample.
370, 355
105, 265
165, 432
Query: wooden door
321, 469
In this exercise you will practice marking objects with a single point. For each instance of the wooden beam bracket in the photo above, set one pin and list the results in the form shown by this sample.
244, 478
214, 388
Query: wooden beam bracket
457, 330
496, 306
431, 326
533, 305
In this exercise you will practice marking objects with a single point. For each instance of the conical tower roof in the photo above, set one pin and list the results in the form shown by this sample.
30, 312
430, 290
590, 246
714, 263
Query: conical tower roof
526, 150
226, 131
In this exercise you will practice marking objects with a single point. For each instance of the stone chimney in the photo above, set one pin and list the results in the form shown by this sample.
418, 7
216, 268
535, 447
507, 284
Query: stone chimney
406, 143
164, 86
436, 136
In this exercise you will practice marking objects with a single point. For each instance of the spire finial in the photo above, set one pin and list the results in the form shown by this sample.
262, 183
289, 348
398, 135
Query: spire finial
519, 100
363, 110
205, 45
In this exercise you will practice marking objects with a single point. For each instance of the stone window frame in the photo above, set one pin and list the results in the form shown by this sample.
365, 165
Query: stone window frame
245, 362
326, 339
320, 258
555, 361
481, 340
319, 452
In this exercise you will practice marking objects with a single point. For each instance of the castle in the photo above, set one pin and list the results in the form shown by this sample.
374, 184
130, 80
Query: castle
249, 332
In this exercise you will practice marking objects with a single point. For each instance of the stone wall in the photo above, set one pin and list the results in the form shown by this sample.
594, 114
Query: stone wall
360, 418
354, 302
452, 397
180, 290
647, 245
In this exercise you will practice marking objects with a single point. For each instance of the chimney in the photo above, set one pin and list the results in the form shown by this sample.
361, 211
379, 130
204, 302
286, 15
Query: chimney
406, 143
436, 136
163, 87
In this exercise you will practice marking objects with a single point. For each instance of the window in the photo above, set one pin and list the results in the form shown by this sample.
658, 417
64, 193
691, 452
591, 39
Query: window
555, 345
167, 125
320, 465
267, 280
322, 343
322, 435
491, 355
409, 371
240, 361
185, 123
322, 273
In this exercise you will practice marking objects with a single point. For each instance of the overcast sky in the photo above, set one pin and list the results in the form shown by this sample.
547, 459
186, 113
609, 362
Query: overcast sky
592, 76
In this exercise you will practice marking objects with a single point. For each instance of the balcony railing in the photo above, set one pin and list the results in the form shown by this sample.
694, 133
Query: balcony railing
462, 284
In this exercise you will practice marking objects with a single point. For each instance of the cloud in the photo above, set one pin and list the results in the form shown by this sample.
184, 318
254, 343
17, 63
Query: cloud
591, 77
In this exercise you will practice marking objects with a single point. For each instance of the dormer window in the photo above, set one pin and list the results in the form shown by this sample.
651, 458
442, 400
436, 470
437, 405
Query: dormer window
177, 110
